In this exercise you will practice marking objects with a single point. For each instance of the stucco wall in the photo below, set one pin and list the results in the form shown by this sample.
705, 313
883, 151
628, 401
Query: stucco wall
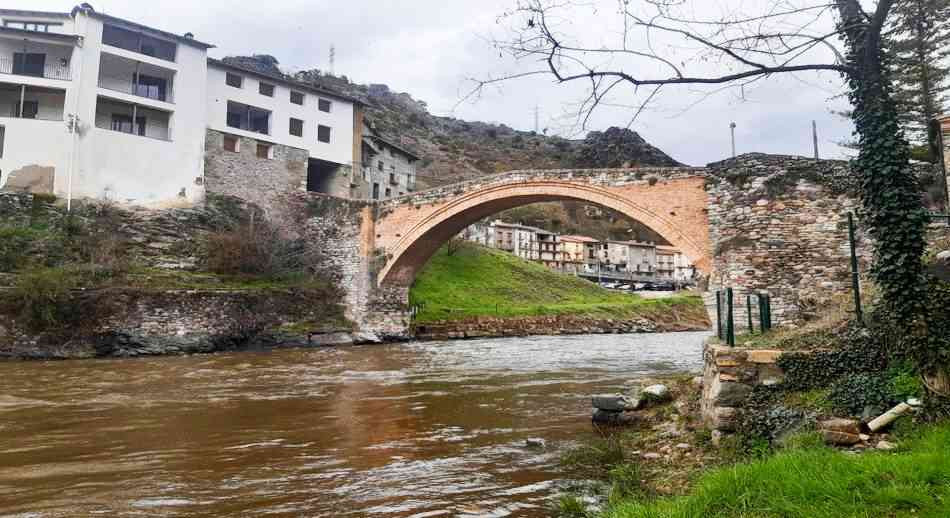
340, 118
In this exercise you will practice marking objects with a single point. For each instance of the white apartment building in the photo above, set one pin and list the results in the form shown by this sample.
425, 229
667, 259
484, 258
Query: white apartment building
96, 106
297, 134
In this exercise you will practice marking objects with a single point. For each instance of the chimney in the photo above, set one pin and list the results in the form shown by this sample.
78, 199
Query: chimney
190, 35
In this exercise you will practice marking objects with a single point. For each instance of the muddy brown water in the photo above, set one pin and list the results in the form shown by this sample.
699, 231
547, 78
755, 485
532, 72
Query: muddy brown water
407, 430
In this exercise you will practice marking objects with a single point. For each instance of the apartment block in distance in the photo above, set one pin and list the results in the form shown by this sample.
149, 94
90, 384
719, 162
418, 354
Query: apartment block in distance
95, 106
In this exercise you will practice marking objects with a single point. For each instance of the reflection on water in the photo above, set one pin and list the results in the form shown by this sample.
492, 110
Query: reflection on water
421, 429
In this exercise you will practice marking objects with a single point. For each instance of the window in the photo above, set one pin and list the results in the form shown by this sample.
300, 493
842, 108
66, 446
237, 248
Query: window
375, 191
29, 64
296, 127
323, 105
233, 80
263, 150
231, 143
30, 26
151, 87
137, 42
123, 123
323, 133
392, 178
379, 165
266, 89
389, 192
249, 118
296, 98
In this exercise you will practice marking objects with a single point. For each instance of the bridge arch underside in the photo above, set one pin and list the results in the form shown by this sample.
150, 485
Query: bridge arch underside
413, 248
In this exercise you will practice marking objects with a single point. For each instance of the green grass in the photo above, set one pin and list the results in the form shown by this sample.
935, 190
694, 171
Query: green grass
818, 482
477, 281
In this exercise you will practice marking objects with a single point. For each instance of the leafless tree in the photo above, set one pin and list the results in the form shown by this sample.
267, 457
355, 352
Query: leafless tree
662, 44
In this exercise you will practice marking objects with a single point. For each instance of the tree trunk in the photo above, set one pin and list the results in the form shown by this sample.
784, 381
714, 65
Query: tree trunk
890, 192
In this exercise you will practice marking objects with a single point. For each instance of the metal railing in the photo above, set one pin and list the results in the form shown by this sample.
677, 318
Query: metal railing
127, 85
725, 314
48, 71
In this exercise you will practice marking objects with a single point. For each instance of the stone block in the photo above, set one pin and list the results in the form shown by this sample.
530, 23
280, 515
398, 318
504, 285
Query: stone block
614, 402
723, 418
728, 393
763, 355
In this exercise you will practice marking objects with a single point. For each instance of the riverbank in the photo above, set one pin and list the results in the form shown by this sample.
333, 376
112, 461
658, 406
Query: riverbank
473, 291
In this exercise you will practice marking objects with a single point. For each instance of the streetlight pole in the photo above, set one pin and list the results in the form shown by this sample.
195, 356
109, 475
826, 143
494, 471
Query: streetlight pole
732, 130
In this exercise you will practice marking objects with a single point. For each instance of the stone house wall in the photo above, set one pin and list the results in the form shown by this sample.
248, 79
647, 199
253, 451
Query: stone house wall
257, 180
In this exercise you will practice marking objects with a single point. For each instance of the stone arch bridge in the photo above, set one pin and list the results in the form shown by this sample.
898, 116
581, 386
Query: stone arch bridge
757, 223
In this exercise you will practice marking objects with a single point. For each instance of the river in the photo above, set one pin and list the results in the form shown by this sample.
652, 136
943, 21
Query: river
420, 429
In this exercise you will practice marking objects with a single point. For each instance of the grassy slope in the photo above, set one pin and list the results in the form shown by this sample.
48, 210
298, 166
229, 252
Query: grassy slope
478, 281
819, 482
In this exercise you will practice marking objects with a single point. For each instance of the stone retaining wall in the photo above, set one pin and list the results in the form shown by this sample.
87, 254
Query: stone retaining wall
128, 322
729, 375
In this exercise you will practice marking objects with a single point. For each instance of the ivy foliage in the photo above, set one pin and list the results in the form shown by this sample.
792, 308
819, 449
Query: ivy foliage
890, 192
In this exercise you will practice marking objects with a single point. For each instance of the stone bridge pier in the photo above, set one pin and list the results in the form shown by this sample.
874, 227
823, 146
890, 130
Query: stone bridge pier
757, 223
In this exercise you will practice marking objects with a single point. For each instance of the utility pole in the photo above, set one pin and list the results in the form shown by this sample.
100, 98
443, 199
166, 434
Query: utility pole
332, 60
814, 136
536, 111
732, 129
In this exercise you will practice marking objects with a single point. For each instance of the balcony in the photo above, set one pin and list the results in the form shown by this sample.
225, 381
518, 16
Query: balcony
133, 78
31, 102
33, 65
132, 119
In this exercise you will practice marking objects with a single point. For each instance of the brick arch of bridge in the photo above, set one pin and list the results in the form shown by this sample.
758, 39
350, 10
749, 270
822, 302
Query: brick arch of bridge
409, 234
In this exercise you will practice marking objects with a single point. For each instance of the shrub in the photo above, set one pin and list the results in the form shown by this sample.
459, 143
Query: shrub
258, 249
14, 247
44, 296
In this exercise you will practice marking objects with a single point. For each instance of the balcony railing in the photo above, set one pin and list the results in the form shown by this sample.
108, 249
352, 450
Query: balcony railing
128, 86
7, 66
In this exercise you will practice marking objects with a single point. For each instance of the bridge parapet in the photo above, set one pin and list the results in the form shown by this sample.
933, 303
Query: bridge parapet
602, 177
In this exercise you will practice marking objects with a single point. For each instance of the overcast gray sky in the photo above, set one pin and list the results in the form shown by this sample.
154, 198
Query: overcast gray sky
429, 48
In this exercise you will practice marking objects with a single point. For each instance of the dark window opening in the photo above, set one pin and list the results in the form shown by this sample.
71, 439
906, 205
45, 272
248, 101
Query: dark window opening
230, 143
29, 64
296, 127
389, 192
151, 87
233, 80
263, 150
138, 42
375, 191
296, 98
323, 105
248, 118
123, 123
266, 89
3, 134
379, 165
323, 133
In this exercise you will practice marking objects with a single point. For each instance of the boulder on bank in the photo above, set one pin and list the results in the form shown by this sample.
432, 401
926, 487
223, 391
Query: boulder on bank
612, 418
658, 393
615, 402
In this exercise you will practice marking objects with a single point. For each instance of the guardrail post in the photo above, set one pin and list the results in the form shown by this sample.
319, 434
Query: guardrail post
748, 313
730, 325
719, 314
855, 281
